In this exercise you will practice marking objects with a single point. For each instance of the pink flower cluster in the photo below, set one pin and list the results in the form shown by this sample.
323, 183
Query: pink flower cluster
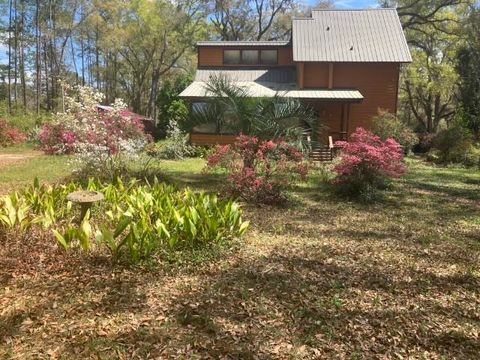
89, 127
10, 135
367, 157
259, 171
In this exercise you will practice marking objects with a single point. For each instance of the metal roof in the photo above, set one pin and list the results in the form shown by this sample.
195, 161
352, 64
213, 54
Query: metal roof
367, 35
242, 43
275, 75
197, 89
266, 83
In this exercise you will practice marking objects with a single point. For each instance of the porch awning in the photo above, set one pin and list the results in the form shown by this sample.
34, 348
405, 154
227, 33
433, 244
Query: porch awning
198, 89
266, 83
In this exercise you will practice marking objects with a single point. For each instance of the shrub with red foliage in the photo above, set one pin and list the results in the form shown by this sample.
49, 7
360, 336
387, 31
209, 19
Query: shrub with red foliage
366, 163
259, 171
10, 135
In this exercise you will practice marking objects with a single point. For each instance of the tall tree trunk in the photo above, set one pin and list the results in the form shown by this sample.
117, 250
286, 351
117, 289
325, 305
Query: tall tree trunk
153, 92
10, 58
37, 57
74, 60
47, 90
22, 55
82, 49
53, 69
15, 54
97, 61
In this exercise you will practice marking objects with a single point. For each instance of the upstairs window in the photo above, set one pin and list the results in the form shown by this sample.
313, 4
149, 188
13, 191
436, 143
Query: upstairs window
268, 56
250, 57
231, 56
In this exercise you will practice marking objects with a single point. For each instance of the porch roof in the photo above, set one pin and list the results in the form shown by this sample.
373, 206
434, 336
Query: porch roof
266, 83
198, 89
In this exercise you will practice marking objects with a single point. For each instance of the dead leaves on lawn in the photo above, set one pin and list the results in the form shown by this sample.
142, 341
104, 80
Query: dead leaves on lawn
323, 279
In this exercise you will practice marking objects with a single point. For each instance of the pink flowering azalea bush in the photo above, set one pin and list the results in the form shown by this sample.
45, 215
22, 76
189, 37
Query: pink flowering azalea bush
259, 171
366, 163
83, 126
10, 135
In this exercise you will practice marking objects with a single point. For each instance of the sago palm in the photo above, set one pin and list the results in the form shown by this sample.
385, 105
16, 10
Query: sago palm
232, 110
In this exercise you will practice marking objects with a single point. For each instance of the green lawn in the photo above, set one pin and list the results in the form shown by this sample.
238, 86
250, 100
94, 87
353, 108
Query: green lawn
21, 172
56, 168
321, 278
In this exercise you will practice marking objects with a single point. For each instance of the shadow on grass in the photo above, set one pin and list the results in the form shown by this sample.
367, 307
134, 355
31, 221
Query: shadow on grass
325, 278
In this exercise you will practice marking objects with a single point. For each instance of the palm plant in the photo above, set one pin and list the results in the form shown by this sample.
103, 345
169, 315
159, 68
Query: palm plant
232, 110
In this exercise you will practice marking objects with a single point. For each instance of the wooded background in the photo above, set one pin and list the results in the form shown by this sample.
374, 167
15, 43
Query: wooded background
143, 51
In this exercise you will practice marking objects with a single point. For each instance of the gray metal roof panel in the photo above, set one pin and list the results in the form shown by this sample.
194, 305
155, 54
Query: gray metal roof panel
197, 89
369, 35
243, 43
273, 75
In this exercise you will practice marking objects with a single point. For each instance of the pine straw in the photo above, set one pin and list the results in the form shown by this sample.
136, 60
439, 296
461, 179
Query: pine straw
321, 279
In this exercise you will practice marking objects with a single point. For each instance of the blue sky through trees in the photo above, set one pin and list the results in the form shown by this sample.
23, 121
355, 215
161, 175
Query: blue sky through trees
341, 4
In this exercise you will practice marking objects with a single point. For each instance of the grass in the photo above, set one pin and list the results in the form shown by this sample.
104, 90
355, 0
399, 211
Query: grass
322, 278
19, 172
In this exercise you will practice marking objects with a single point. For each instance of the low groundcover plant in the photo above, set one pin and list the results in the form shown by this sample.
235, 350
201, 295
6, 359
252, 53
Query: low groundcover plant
135, 221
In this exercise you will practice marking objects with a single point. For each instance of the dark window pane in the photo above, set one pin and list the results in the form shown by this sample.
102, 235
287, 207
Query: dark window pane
268, 56
199, 106
231, 56
250, 57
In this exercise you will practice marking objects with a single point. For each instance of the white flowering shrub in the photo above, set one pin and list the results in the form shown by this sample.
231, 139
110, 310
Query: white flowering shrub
98, 160
83, 126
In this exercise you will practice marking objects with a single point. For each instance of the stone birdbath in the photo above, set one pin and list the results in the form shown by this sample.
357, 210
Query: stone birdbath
86, 199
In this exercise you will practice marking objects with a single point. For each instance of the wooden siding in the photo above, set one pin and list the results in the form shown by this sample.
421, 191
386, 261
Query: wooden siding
211, 139
210, 56
378, 83
315, 75
285, 56
213, 55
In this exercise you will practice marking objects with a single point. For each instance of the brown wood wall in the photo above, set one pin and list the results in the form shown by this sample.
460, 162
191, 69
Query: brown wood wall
378, 83
315, 75
211, 139
213, 55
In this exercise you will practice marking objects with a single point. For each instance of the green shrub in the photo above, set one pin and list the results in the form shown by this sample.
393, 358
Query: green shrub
388, 126
454, 146
134, 222
23, 120
176, 145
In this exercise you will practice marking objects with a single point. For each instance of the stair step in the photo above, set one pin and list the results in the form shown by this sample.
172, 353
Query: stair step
321, 154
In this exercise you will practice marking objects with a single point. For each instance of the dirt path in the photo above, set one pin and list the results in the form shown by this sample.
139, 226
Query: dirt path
15, 158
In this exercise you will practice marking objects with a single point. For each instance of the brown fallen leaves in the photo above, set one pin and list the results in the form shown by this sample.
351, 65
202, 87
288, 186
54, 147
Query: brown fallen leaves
321, 279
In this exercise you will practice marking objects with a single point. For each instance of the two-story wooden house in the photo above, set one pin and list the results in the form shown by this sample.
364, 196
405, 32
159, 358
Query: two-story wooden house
344, 63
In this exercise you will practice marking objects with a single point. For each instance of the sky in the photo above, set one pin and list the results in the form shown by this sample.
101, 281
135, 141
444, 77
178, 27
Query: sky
340, 4
346, 4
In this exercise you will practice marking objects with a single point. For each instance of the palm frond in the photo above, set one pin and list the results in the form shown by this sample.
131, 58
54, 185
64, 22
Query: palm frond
231, 109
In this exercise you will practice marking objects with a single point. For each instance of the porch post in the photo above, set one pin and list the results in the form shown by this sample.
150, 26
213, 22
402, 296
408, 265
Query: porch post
345, 120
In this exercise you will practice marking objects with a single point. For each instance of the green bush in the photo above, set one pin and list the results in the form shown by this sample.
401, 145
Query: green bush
25, 121
455, 146
175, 146
387, 125
134, 222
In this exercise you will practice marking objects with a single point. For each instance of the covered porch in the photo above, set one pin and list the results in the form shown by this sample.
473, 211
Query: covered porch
331, 106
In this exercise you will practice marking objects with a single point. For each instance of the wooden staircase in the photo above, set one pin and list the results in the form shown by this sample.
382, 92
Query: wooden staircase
323, 153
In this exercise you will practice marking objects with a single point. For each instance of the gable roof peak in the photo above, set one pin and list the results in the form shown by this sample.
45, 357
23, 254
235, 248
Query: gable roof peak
350, 35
